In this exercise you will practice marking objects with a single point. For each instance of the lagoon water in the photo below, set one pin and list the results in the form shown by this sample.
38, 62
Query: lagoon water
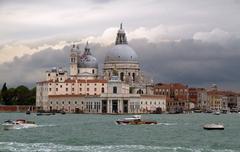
99, 133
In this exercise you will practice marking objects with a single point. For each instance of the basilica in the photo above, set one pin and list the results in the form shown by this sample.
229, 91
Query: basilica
121, 89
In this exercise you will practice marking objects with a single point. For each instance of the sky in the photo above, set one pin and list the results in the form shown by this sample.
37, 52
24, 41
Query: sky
195, 42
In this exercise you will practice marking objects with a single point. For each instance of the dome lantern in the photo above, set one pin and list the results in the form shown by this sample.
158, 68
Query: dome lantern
121, 36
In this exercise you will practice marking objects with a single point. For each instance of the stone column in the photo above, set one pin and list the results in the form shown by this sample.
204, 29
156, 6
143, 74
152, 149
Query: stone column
119, 109
109, 106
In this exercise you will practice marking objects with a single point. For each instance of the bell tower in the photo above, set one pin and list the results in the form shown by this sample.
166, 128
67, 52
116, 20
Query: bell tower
73, 61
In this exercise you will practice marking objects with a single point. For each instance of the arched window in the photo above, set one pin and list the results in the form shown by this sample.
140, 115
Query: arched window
139, 91
115, 89
133, 76
102, 90
121, 76
93, 71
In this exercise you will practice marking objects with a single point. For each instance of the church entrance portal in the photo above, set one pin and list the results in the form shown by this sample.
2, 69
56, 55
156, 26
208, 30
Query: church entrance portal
114, 106
104, 106
125, 106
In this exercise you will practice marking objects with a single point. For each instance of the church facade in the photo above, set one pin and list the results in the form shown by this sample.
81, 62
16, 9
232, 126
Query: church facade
122, 88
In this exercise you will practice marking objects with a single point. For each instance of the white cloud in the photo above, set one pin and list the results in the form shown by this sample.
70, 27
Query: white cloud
106, 38
216, 35
160, 33
9, 51
156, 34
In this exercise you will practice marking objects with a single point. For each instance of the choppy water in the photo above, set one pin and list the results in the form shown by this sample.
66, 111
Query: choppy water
99, 133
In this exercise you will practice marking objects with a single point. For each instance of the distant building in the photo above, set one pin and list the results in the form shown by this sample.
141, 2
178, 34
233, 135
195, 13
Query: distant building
177, 95
198, 96
122, 89
215, 100
223, 100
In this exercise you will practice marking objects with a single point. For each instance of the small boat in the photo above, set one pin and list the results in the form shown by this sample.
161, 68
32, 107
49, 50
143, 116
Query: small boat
45, 114
63, 112
134, 120
28, 112
216, 113
213, 127
18, 124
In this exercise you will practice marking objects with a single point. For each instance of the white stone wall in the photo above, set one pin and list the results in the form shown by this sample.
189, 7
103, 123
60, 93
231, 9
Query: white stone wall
128, 70
202, 100
42, 95
74, 88
92, 71
149, 104
122, 88
67, 103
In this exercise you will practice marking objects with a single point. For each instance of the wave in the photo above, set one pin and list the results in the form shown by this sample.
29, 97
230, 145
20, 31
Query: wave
51, 147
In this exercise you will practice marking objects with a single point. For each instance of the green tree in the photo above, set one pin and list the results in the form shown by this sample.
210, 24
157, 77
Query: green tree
4, 93
22, 94
9, 96
32, 99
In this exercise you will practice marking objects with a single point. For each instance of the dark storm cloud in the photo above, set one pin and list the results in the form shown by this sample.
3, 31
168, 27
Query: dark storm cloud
192, 62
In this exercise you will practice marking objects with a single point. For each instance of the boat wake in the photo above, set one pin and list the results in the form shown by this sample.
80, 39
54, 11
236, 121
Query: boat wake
51, 147
50, 125
167, 124
27, 127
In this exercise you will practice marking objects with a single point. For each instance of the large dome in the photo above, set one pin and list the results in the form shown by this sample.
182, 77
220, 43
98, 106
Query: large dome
121, 52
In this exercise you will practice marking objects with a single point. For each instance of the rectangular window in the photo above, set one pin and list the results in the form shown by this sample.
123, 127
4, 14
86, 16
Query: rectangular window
115, 89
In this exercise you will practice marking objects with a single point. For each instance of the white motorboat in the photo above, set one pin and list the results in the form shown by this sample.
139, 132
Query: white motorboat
216, 113
135, 120
213, 126
18, 124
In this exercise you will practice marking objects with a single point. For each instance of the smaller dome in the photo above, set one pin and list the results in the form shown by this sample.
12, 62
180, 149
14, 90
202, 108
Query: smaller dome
88, 61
